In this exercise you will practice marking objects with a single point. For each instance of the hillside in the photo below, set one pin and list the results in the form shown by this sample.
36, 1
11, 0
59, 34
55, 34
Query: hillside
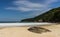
52, 15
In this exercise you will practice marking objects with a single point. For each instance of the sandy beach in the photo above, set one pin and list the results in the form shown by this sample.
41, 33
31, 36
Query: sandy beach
23, 32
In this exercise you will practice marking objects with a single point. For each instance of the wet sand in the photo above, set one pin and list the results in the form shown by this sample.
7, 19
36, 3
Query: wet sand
23, 32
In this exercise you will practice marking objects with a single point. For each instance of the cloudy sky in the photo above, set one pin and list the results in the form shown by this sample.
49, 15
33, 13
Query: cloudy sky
15, 10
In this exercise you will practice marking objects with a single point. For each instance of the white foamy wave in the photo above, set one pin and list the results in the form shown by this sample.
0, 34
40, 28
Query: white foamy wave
22, 24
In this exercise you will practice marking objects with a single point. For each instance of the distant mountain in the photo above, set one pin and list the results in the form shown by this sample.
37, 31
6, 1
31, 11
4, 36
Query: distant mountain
52, 15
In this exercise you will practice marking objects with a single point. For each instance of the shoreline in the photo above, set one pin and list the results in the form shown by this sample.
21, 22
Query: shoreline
24, 24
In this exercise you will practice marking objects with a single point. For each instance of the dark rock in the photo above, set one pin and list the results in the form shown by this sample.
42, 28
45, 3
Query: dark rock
38, 30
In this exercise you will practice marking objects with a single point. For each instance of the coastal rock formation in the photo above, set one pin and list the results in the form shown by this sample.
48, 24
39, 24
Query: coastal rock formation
38, 30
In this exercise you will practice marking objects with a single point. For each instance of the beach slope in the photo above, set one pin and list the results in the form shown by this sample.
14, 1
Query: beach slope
23, 32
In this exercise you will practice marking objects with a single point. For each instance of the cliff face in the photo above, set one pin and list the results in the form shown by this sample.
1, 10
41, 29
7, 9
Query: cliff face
52, 15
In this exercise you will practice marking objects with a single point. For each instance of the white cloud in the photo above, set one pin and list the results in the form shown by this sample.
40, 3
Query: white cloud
25, 5
51, 1
28, 4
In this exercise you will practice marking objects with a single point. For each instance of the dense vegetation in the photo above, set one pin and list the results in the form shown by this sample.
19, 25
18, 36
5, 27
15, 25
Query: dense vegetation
52, 15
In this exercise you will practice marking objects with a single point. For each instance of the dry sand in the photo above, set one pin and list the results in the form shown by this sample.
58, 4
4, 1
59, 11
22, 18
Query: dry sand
23, 32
